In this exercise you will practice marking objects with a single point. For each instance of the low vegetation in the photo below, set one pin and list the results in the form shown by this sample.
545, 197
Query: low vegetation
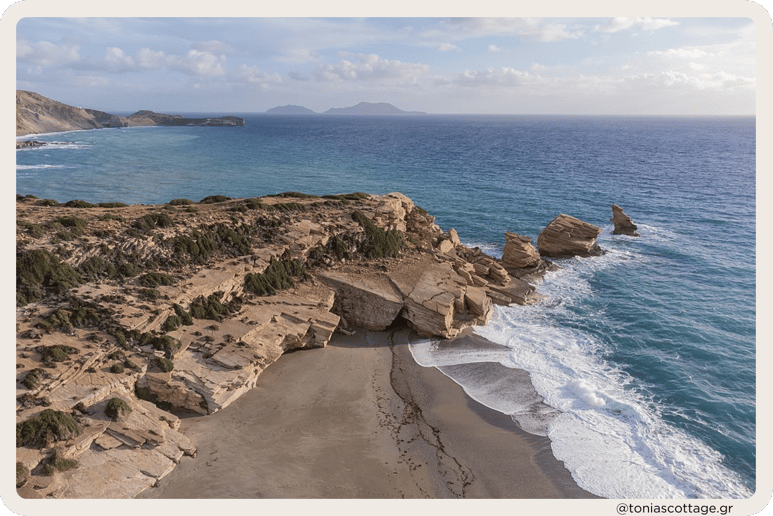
278, 276
116, 408
380, 243
46, 428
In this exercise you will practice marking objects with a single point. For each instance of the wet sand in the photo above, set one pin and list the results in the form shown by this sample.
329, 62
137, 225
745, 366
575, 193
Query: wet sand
360, 419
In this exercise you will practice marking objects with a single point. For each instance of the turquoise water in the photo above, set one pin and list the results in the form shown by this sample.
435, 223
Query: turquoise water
647, 351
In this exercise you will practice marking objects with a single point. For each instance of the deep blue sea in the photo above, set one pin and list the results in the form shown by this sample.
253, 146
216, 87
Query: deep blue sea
648, 352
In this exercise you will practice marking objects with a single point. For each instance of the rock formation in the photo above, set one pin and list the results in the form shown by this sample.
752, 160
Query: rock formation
567, 236
157, 309
519, 252
623, 223
37, 114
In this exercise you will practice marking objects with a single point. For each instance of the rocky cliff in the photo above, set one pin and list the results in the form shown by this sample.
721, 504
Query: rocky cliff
37, 114
129, 314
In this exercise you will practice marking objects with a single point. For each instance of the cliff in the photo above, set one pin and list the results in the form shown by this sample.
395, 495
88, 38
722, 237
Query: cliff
129, 314
36, 114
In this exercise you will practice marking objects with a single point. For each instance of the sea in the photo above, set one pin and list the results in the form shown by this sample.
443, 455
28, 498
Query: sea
641, 361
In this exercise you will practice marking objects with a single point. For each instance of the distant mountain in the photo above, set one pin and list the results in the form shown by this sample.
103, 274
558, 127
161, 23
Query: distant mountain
290, 110
370, 108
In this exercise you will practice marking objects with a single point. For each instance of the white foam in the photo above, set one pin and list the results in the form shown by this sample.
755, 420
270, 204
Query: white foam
35, 167
609, 435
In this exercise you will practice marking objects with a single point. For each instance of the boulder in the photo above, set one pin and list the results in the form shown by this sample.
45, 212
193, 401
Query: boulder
431, 305
567, 236
623, 223
519, 252
363, 301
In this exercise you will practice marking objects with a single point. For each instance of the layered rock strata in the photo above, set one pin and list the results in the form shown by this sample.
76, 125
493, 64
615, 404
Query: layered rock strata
181, 307
623, 223
568, 236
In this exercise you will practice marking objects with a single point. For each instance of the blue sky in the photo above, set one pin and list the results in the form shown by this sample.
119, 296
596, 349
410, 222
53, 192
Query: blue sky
658, 65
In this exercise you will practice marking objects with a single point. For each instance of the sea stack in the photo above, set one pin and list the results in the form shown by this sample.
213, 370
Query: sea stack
567, 236
623, 223
519, 252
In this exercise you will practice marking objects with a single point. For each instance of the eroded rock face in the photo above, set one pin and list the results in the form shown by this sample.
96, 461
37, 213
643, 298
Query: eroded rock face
519, 252
568, 236
623, 223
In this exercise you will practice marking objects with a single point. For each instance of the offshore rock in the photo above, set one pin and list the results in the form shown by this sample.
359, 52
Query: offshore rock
519, 252
567, 236
623, 223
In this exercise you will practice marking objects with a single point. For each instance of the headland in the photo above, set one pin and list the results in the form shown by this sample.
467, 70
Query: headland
138, 326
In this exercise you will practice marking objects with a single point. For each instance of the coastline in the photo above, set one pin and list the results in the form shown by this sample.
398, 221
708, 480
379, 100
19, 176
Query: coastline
360, 419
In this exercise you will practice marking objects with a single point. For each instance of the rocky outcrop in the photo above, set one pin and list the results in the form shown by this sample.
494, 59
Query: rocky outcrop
568, 236
36, 114
519, 252
623, 223
181, 308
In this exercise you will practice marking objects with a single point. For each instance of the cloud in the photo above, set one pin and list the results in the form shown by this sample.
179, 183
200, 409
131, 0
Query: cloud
493, 48
650, 24
370, 67
213, 47
298, 55
536, 67
445, 47
149, 59
45, 53
197, 63
687, 53
254, 75
494, 77
530, 29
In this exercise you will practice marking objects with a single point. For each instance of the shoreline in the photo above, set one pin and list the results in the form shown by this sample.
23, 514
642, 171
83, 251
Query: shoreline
361, 419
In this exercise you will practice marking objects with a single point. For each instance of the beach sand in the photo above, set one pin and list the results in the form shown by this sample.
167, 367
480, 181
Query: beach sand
360, 419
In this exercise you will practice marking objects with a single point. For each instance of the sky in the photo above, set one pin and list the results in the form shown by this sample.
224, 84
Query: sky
605, 66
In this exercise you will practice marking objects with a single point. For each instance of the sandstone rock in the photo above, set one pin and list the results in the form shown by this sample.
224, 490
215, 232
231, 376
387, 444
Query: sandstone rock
568, 236
623, 223
454, 237
364, 301
519, 252
430, 307
445, 247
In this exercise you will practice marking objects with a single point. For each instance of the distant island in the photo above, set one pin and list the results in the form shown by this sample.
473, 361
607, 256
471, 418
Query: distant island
290, 110
36, 114
370, 108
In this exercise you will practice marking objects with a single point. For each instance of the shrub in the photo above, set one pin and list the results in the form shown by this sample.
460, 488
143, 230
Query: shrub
151, 221
49, 202
347, 197
116, 408
381, 244
97, 267
75, 203
155, 279
33, 230
164, 364
277, 276
58, 463
212, 199
32, 379
172, 323
46, 428
39, 270
180, 202
297, 195
209, 307
116, 369
184, 316
164, 343
112, 205
111, 216
57, 353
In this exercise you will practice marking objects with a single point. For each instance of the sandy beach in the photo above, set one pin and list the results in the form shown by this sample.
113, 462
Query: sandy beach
360, 419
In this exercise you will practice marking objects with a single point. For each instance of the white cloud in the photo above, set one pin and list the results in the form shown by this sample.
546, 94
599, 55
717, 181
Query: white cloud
445, 47
687, 53
298, 55
650, 24
147, 58
198, 63
531, 29
254, 75
370, 67
45, 53
494, 77
117, 61
536, 67
493, 48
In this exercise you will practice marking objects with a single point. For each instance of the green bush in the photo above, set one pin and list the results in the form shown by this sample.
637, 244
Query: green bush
58, 463
155, 279
97, 267
112, 205
75, 203
46, 428
184, 316
209, 307
164, 364
116, 368
38, 271
212, 199
49, 202
381, 244
277, 276
164, 343
152, 221
33, 230
111, 216
297, 195
116, 408
32, 379
172, 323
180, 202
